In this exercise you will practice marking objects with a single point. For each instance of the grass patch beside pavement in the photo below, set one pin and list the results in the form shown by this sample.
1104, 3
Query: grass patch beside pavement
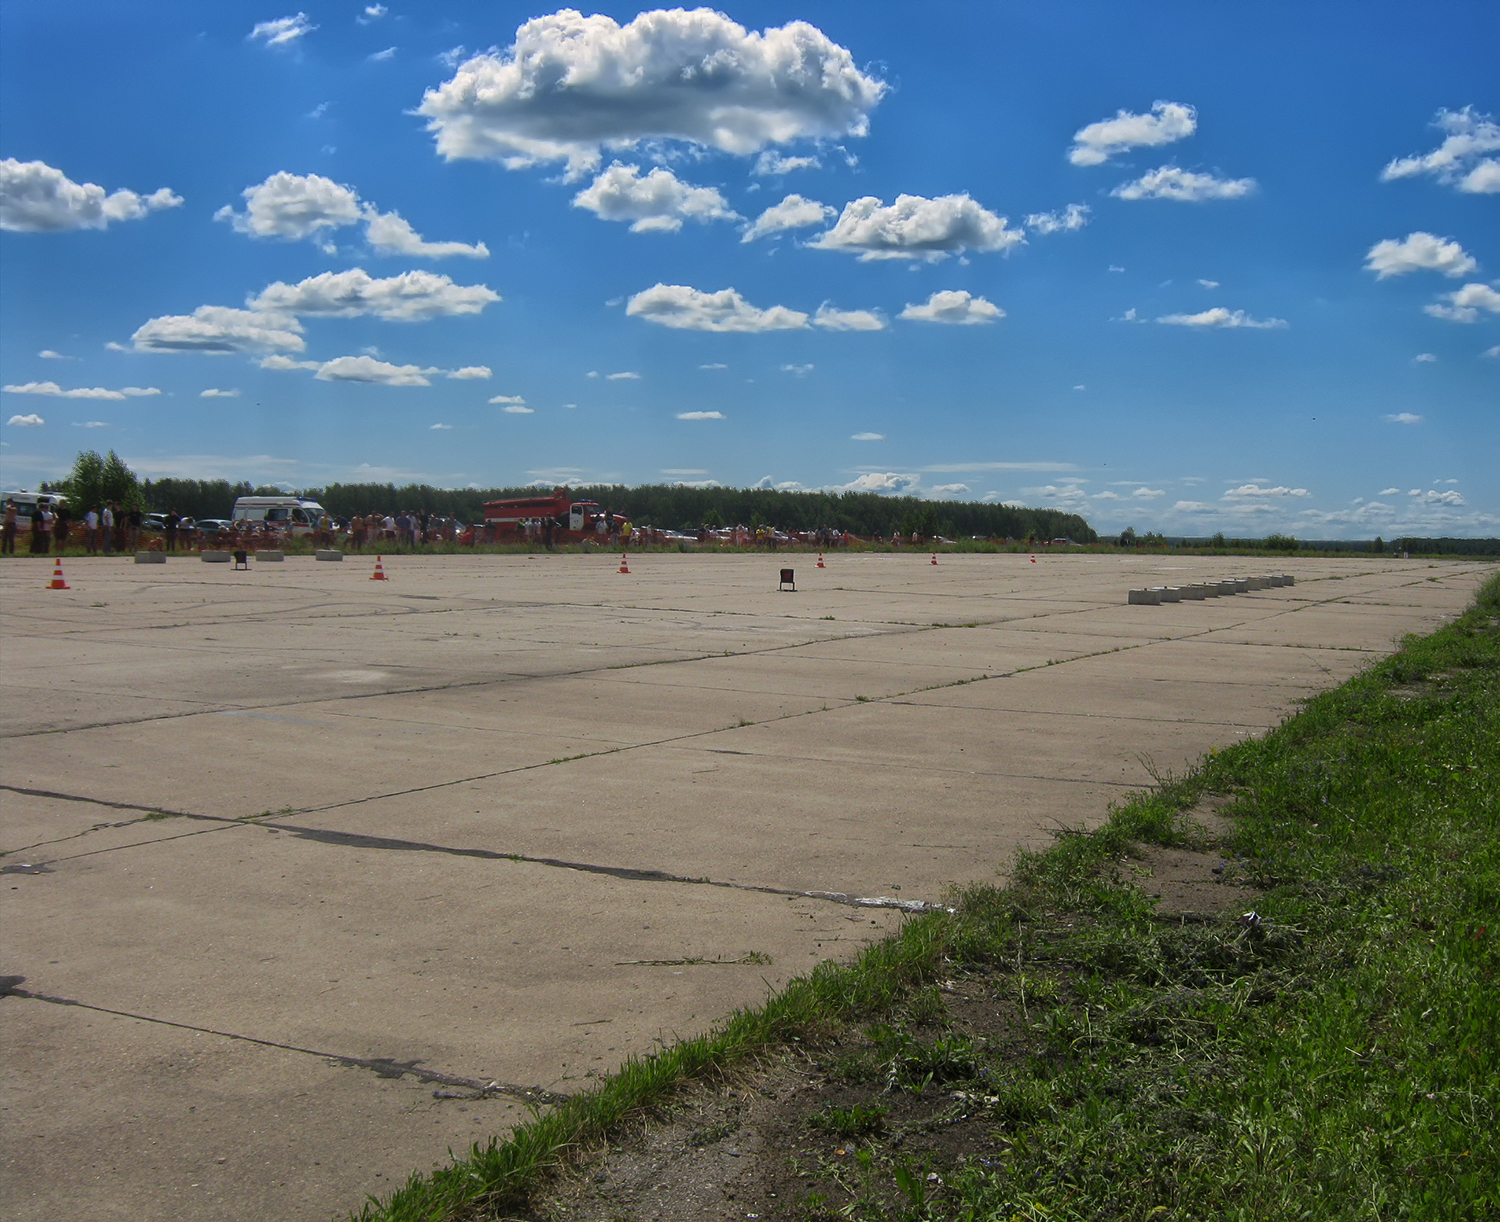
1333, 1054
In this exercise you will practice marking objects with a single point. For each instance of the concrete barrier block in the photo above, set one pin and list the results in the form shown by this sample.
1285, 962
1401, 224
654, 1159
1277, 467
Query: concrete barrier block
1260, 583
1225, 587
329, 553
1171, 594
1192, 593
151, 557
211, 555
1276, 580
271, 555
1145, 598
1242, 585
1288, 580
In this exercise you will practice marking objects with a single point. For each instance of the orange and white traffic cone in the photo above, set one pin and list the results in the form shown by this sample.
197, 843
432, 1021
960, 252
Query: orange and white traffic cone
624, 564
1033, 557
57, 578
821, 565
934, 557
379, 573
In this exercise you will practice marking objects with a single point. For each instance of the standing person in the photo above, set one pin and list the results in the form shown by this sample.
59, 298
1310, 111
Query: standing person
170, 522
62, 522
549, 524
8, 530
122, 527
133, 520
91, 530
38, 530
107, 529
626, 529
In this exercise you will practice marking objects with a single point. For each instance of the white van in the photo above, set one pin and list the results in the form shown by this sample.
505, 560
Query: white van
26, 503
285, 513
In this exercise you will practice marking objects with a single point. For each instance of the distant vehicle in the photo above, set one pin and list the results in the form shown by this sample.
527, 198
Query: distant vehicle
154, 521
506, 519
215, 526
285, 513
1065, 543
26, 502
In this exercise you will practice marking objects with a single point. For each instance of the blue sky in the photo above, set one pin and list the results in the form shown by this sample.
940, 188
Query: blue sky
1179, 266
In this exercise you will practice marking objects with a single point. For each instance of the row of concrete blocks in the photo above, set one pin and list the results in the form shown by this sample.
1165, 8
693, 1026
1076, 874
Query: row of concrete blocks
213, 556
1156, 595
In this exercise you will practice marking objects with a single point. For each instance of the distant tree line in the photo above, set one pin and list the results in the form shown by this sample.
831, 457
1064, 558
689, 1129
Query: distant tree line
667, 506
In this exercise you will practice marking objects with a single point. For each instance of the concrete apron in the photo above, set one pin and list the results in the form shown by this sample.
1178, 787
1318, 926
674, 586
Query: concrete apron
335, 875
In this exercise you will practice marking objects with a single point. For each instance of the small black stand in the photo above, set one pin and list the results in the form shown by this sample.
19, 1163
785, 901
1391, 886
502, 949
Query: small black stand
242, 559
786, 580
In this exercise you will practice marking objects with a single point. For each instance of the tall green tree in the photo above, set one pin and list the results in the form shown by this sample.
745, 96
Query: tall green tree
95, 480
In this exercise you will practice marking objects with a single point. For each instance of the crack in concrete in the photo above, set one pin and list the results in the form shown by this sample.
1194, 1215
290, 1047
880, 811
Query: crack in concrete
360, 840
381, 1067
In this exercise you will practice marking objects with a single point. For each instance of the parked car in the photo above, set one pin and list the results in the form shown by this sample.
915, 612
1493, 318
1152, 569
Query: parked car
215, 526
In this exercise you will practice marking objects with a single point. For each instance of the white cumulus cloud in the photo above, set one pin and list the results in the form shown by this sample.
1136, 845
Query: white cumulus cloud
793, 212
798, 371
868, 437
1402, 418
1418, 252
373, 12
213, 392
220, 329
831, 319
1219, 317
625, 375
690, 309
286, 364
1256, 491
771, 163
368, 369
389, 233
657, 203
35, 198
436, 428
1098, 142
700, 416
470, 373
413, 296
883, 481
954, 306
1074, 216
291, 207
571, 86
284, 31
949, 489
1148, 494
915, 227
1464, 304
513, 400
29, 421
1460, 160
1184, 186
520, 409
52, 390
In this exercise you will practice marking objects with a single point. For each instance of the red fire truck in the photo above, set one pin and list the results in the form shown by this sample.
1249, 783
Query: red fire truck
505, 521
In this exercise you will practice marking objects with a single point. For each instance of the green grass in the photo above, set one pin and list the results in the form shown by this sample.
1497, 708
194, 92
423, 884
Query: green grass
1334, 1056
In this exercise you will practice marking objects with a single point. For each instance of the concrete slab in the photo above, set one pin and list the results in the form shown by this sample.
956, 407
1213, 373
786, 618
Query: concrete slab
531, 815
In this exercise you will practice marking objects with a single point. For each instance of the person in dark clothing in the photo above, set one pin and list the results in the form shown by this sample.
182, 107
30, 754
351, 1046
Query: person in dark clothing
38, 531
62, 523
170, 522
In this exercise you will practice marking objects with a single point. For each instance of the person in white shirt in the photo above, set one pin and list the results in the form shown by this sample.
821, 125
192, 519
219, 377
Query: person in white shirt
107, 521
91, 531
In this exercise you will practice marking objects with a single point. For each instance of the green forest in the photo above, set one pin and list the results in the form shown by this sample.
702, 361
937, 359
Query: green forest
667, 506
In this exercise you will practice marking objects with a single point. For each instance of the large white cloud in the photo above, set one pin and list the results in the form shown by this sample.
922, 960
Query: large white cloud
1184, 186
1098, 142
883, 481
915, 227
1419, 252
1222, 319
35, 198
773, 164
954, 306
54, 391
292, 207
793, 212
658, 202
690, 309
1460, 160
1464, 304
410, 297
368, 369
215, 329
571, 86
29, 421
1257, 491
831, 319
